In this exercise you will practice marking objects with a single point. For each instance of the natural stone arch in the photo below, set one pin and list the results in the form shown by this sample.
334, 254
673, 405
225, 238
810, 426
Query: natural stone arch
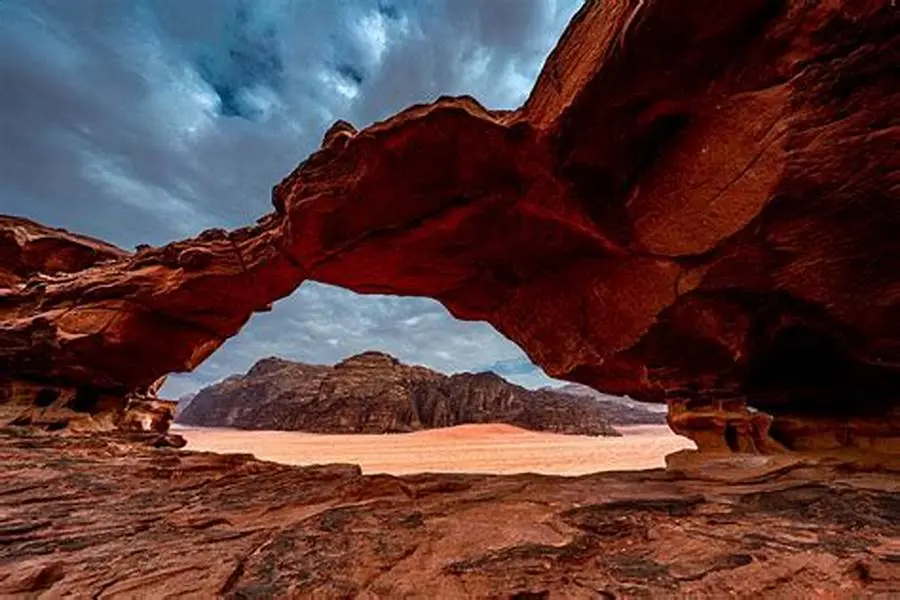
684, 184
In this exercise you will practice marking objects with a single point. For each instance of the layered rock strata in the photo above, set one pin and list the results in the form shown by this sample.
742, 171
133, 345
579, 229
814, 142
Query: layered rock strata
31, 255
97, 517
375, 393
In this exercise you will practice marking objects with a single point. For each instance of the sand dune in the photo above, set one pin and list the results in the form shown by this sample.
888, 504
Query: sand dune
463, 449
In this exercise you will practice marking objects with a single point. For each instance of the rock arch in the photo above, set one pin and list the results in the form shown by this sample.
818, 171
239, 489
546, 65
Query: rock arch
682, 187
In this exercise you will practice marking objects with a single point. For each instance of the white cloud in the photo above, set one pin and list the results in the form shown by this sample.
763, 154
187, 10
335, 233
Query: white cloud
326, 324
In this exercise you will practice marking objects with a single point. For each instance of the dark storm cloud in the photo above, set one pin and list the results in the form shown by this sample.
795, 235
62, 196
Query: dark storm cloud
249, 59
148, 121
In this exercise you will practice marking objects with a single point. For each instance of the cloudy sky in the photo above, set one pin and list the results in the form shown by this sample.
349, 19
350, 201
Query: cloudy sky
148, 121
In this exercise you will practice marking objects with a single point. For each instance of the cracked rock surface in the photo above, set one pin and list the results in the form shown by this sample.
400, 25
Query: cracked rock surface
103, 517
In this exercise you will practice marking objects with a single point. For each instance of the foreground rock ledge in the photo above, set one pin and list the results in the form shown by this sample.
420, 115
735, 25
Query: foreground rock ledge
698, 203
100, 517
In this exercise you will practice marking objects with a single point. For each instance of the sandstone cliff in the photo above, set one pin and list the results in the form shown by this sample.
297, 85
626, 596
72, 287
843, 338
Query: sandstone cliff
375, 393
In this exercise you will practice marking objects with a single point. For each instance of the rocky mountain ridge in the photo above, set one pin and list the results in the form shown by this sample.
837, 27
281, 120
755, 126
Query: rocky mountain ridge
375, 393
619, 410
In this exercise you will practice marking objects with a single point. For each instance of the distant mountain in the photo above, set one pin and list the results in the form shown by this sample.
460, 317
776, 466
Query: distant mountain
375, 393
182, 403
618, 410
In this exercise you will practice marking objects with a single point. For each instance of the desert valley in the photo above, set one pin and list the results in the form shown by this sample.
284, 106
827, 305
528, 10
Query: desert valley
689, 225
485, 449
387, 417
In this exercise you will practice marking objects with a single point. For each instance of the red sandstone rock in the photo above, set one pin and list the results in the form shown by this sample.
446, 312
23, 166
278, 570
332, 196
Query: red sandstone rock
54, 408
29, 250
97, 517
698, 202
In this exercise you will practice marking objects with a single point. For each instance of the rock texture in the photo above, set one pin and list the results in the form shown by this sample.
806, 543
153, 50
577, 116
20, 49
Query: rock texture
31, 255
57, 408
29, 250
698, 203
101, 518
618, 410
375, 393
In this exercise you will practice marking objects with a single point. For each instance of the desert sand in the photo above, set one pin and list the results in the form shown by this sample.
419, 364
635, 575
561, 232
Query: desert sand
501, 449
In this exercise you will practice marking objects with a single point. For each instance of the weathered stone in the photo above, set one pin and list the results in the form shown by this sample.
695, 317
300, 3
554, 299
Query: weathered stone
723, 426
54, 408
698, 201
375, 393
29, 250
94, 516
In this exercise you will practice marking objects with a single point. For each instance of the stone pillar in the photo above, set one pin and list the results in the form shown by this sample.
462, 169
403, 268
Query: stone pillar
723, 426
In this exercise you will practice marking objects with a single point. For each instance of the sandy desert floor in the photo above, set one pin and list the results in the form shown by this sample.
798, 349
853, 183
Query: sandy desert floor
464, 449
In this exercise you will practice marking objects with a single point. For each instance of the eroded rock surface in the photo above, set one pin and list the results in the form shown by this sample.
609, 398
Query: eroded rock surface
375, 393
29, 250
697, 203
100, 517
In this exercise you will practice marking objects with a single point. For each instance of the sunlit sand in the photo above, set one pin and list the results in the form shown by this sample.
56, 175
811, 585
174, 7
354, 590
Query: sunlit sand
464, 449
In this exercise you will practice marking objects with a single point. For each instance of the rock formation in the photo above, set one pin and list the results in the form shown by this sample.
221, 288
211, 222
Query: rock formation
698, 203
105, 519
375, 393
59, 407
30, 256
30, 251
618, 410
